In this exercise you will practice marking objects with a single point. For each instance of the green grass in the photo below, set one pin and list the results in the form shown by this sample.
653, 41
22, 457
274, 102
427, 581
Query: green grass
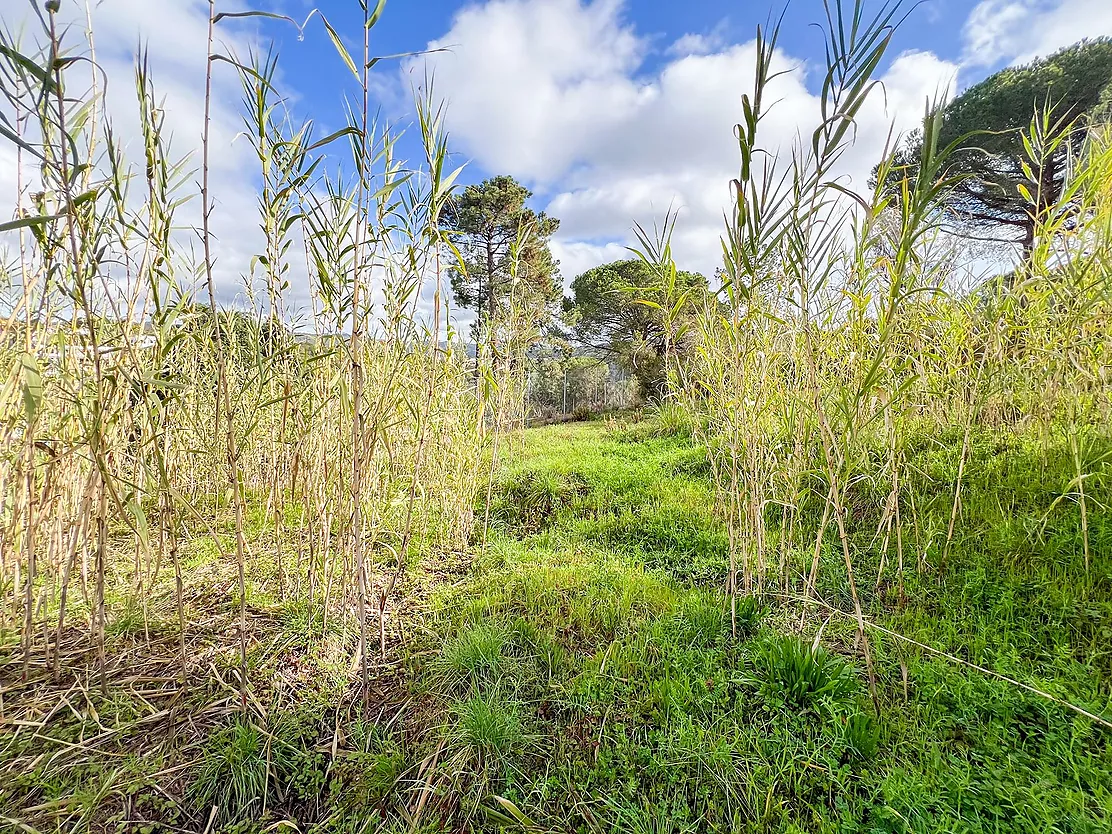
234, 772
585, 672
474, 656
600, 625
486, 728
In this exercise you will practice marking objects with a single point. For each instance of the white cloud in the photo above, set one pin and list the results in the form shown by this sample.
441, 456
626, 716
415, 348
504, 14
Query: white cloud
555, 92
695, 43
1016, 31
175, 35
533, 82
576, 257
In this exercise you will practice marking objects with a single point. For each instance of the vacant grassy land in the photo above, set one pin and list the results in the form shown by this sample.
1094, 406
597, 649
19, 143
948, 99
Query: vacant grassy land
264, 569
577, 670
588, 674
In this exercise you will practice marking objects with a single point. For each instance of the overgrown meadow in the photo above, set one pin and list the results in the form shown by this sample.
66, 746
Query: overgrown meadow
853, 572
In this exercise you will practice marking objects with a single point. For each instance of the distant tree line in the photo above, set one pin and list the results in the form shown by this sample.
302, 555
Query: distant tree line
612, 319
614, 314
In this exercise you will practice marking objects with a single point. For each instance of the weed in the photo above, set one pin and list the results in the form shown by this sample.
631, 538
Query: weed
486, 728
234, 772
529, 501
703, 618
796, 674
362, 781
861, 736
475, 655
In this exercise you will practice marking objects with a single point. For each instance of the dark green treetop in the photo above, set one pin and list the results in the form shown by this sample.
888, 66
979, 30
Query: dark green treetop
607, 316
499, 238
1004, 183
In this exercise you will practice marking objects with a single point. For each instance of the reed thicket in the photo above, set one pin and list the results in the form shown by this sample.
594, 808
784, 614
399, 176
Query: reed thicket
210, 509
145, 424
848, 328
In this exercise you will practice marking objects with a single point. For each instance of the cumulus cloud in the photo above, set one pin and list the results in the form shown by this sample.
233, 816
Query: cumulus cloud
555, 92
577, 256
608, 125
697, 43
533, 83
1016, 31
174, 32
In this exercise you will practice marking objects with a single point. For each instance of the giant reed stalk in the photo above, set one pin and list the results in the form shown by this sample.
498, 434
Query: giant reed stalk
127, 405
843, 328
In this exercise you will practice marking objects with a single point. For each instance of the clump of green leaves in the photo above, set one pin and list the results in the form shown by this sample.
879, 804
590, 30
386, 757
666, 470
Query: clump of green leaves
486, 728
861, 734
475, 655
363, 780
233, 772
800, 675
529, 501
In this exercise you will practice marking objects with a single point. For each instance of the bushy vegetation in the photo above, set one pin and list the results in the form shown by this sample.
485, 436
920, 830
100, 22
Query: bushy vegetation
644, 711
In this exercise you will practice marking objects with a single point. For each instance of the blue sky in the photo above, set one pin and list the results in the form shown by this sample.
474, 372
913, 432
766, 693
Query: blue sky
411, 24
637, 98
318, 80
612, 111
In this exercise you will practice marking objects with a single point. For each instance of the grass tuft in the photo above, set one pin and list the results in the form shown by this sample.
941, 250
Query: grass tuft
233, 772
796, 674
475, 656
486, 728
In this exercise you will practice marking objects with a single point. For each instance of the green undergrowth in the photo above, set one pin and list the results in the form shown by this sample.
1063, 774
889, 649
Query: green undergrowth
589, 675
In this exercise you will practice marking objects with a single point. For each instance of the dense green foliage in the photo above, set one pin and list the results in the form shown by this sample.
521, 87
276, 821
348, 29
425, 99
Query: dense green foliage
582, 675
615, 310
1006, 182
502, 242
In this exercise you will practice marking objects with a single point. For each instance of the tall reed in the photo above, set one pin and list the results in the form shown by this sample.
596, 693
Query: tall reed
310, 456
846, 329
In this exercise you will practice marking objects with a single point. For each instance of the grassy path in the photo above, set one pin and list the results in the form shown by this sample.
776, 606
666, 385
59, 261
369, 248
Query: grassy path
585, 673
577, 672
